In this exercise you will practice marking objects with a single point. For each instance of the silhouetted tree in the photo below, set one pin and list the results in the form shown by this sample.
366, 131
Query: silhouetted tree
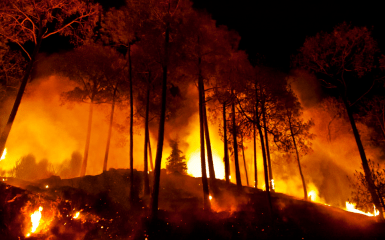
340, 59
176, 162
22, 22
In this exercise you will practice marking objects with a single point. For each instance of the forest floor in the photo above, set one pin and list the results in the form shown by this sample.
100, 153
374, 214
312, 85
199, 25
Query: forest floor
106, 212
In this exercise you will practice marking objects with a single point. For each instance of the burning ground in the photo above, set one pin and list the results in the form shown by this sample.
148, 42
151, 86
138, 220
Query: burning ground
97, 207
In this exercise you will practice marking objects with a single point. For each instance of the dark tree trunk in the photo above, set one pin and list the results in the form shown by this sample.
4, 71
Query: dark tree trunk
159, 150
88, 139
146, 140
365, 165
267, 148
208, 143
225, 149
255, 158
149, 151
133, 192
263, 154
235, 145
299, 163
109, 131
244, 162
206, 193
20, 93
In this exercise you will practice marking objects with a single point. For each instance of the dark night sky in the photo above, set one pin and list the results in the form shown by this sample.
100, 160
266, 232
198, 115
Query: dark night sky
276, 29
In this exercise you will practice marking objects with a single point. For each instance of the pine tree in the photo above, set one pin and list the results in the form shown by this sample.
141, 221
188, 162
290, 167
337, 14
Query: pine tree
176, 162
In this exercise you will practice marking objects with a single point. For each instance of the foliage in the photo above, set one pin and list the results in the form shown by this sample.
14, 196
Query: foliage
176, 162
360, 193
71, 168
28, 20
27, 168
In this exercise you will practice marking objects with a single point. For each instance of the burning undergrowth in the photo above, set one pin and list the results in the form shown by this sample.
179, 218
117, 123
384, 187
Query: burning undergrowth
99, 207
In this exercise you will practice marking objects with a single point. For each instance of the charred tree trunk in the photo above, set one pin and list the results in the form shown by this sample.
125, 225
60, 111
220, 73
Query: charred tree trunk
208, 143
365, 165
149, 151
225, 149
237, 172
206, 200
88, 139
244, 161
299, 163
263, 153
109, 131
159, 150
146, 140
133, 192
267, 147
255, 158
20, 93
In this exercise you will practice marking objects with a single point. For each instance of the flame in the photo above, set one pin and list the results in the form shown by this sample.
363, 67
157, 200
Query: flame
210, 197
4, 154
272, 184
35, 219
312, 195
76, 215
351, 208
194, 165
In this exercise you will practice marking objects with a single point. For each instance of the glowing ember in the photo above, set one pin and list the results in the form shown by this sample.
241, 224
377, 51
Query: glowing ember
46, 186
210, 197
351, 208
4, 154
76, 215
35, 219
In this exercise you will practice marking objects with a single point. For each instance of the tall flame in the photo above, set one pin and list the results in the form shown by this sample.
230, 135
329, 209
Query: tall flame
4, 154
35, 219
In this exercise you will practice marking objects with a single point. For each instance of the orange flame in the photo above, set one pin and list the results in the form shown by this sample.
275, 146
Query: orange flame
35, 219
351, 208
4, 154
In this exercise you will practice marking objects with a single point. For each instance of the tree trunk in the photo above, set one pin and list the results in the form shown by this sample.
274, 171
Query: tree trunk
237, 172
149, 151
255, 159
225, 149
133, 192
206, 201
146, 140
208, 143
299, 164
159, 150
263, 153
244, 162
20, 93
88, 139
267, 148
365, 165
109, 132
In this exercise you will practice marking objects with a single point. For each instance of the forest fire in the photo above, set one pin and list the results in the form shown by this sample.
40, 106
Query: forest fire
146, 120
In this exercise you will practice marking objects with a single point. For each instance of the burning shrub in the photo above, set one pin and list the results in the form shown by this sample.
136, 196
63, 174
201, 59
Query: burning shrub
360, 194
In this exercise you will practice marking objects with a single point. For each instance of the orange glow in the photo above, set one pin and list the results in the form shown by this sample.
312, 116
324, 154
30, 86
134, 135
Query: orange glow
4, 154
194, 165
